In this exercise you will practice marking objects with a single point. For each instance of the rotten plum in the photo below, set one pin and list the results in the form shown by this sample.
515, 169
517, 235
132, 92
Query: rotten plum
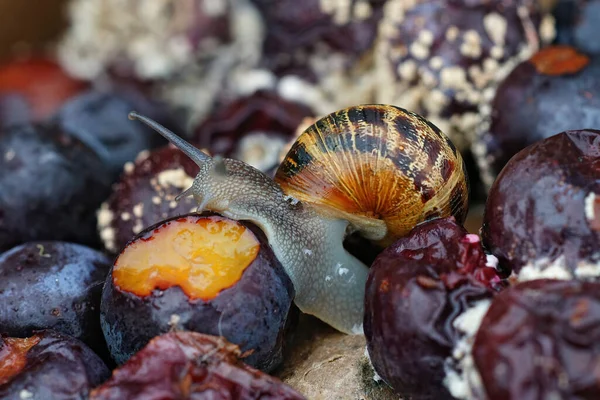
554, 91
254, 129
540, 339
99, 119
193, 366
415, 291
50, 186
443, 59
48, 365
34, 88
543, 211
203, 273
52, 285
145, 195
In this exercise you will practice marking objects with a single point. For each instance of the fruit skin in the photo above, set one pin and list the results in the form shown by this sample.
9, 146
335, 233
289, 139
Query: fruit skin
536, 209
145, 195
39, 84
99, 119
415, 290
50, 186
52, 285
59, 367
530, 105
192, 366
254, 313
540, 339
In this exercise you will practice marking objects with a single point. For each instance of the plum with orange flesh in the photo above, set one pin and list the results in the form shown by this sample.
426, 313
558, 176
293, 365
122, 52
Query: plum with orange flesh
190, 365
48, 365
203, 273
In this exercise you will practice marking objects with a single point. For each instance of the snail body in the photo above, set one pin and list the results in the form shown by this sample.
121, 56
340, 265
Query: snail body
373, 153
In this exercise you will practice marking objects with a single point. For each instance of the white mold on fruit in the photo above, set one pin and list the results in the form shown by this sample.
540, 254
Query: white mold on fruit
462, 378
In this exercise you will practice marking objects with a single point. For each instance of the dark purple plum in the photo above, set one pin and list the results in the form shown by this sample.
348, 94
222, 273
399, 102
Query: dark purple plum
415, 291
544, 207
50, 186
254, 129
52, 285
145, 195
298, 31
554, 91
191, 365
48, 365
541, 340
203, 273
100, 120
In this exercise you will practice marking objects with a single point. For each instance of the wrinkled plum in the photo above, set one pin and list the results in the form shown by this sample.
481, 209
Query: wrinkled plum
48, 365
540, 340
554, 91
191, 365
99, 119
254, 129
37, 86
443, 59
415, 291
207, 274
50, 186
145, 195
543, 211
578, 24
52, 285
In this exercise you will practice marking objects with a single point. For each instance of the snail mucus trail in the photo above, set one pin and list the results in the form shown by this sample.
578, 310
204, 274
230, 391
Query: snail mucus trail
410, 173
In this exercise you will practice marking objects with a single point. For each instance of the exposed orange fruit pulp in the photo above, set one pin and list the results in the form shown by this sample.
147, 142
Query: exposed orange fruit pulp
13, 356
202, 255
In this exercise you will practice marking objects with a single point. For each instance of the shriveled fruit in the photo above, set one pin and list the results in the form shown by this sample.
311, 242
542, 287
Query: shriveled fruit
192, 366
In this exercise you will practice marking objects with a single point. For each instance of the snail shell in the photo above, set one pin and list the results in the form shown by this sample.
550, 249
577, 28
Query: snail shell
380, 167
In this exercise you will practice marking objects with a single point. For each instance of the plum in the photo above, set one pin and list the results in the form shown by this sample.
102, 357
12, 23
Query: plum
53, 285
99, 119
204, 273
48, 365
542, 216
540, 340
443, 59
50, 186
416, 290
191, 365
554, 91
253, 129
145, 195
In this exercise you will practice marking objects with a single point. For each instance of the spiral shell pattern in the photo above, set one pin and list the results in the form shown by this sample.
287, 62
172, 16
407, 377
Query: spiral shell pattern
377, 162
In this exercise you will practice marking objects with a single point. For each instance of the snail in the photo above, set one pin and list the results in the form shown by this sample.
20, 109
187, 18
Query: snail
377, 169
